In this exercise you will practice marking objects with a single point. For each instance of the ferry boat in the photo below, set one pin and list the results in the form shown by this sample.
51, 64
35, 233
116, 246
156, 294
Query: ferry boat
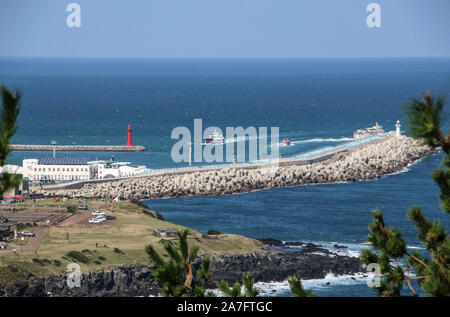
286, 141
369, 132
215, 138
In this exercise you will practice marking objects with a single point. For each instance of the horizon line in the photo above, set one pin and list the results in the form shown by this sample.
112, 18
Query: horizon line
221, 58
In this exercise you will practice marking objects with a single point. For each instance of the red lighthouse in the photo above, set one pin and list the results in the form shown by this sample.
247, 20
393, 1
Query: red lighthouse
129, 136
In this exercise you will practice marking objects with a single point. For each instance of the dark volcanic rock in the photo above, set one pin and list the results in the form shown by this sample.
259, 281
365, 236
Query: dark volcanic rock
278, 243
138, 281
277, 266
119, 281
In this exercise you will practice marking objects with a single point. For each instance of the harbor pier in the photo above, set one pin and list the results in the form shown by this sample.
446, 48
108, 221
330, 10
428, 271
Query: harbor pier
78, 148
357, 160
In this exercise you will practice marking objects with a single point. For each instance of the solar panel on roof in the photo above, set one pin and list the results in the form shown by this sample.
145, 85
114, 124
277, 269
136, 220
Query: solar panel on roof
63, 161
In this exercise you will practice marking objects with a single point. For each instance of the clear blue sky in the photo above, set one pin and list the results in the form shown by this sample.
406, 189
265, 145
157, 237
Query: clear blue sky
224, 28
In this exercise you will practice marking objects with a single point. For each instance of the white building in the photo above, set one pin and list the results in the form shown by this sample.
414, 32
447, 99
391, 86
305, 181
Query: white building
58, 169
112, 169
75, 168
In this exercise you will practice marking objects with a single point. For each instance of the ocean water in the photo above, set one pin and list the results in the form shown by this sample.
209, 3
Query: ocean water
316, 102
324, 214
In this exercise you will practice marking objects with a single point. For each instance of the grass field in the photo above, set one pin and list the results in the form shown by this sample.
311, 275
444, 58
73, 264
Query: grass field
111, 243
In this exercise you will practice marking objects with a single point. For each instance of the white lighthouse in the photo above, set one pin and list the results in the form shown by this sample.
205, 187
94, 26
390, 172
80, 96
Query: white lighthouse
397, 128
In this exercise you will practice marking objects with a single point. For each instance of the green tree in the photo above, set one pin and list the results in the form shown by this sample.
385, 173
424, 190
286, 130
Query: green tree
236, 289
71, 208
297, 290
176, 275
8, 127
399, 266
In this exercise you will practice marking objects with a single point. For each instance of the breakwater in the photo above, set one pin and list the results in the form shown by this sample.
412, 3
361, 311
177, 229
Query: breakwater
78, 148
366, 161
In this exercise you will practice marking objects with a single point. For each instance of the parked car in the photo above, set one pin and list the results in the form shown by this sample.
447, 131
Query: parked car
98, 219
83, 207
108, 217
98, 213
95, 220
27, 233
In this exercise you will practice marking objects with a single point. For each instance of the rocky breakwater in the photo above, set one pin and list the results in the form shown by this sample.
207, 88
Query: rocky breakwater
362, 162
310, 262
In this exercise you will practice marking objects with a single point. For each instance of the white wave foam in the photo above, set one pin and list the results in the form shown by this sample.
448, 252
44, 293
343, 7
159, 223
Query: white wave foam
330, 280
318, 140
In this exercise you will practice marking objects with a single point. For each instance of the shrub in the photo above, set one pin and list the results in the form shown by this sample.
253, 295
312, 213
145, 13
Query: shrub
86, 251
36, 260
117, 250
102, 258
78, 256
46, 261
57, 262
97, 262
20, 226
71, 208
213, 232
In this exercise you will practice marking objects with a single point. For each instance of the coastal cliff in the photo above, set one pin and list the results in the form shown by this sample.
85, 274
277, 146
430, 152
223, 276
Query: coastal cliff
367, 161
311, 262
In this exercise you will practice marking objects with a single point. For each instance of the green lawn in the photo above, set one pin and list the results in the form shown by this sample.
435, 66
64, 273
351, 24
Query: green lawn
133, 229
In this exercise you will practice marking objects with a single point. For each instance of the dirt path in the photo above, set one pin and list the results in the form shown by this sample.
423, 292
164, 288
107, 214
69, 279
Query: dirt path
33, 242
84, 217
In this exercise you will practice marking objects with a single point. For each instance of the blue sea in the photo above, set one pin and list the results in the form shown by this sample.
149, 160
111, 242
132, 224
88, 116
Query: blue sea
316, 102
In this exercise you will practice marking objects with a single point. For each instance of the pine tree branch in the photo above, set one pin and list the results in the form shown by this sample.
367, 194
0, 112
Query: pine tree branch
414, 258
410, 287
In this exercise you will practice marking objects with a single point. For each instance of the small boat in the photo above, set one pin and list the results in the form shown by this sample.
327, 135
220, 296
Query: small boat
286, 141
215, 138
369, 132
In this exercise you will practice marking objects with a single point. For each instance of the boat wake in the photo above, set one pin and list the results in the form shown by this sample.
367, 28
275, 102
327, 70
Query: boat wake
292, 143
320, 140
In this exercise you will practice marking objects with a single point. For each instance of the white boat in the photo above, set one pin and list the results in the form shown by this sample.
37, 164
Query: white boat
369, 132
286, 141
215, 138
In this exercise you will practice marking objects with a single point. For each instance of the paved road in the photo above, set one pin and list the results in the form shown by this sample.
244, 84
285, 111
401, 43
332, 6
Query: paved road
40, 232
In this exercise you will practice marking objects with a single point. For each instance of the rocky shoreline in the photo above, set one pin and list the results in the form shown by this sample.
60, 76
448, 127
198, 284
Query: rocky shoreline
363, 162
312, 262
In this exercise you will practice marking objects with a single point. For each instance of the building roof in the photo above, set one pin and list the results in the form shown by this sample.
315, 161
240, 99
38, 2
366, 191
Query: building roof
63, 161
